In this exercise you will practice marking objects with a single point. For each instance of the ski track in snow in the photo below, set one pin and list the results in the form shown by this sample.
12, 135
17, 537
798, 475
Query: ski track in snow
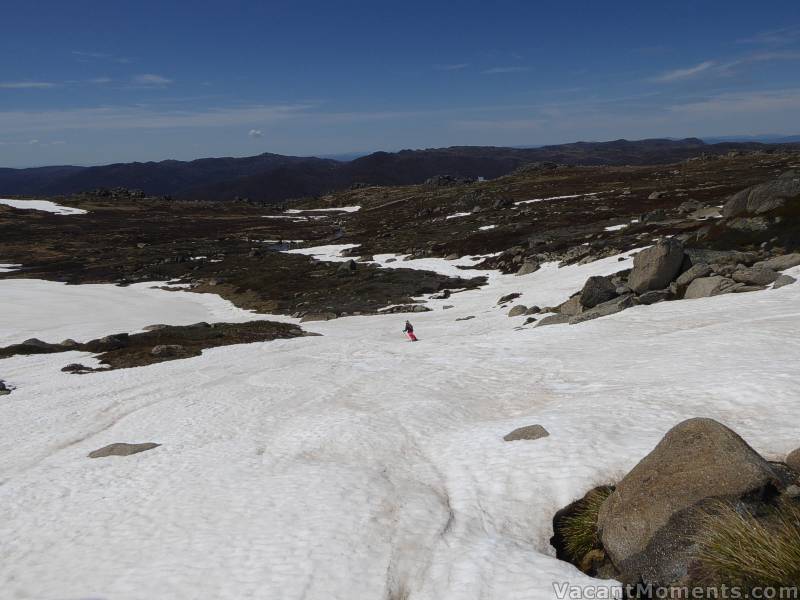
358, 465
43, 205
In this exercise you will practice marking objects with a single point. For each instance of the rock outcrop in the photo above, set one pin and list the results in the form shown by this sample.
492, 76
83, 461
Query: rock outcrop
655, 267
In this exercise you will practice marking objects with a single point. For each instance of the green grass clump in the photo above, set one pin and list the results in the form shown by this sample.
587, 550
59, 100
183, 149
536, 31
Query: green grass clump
739, 548
579, 530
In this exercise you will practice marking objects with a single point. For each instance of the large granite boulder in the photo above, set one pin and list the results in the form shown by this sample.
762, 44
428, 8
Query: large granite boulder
765, 197
597, 290
646, 524
703, 287
780, 263
655, 267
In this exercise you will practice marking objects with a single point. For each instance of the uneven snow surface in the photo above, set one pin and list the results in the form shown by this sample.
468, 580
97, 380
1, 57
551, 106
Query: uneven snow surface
358, 465
43, 205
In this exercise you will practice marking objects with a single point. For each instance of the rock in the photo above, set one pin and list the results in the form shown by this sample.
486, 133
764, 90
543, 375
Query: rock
453, 256
571, 307
391, 260
509, 297
597, 290
366, 258
755, 276
322, 316
763, 198
603, 310
793, 460
703, 287
528, 267
502, 203
780, 263
156, 327
122, 449
465, 318
533, 310
530, 320
69, 343
783, 280
656, 195
750, 225
76, 368
108, 343
720, 257
690, 206
653, 216
655, 267
646, 524
4, 390
529, 432
36, 343
348, 267
518, 310
554, 320
447, 306
621, 290
653, 296
694, 272
168, 350
443, 295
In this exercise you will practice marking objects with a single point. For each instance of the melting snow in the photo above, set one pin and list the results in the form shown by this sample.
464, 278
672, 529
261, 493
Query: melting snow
347, 209
552, 198
486, 227
43, 205
459, 214
357, 464
616, 227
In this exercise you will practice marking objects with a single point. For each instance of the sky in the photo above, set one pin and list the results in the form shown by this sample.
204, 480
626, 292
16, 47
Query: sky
89, 82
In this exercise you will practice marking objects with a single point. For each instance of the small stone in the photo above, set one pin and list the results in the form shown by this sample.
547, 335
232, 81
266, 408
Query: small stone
529, 432
122, 449
518, 310
528, 267
783, 280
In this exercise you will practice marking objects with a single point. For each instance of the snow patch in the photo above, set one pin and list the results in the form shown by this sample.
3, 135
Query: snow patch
44, 206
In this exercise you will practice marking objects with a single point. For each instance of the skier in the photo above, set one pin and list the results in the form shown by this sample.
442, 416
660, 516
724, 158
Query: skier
410, 331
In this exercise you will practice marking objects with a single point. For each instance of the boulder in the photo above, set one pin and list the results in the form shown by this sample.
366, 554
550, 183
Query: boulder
509, 297
793, 460
653, 216
655, 267
783, 280
597, 290
703, 287
780, 263
528, 267
653, 296
533, 310
69, 343
694, 272
76, 368
529, 432
122, 449
646, 524
603, 310
571, 307
763, 198
553, 320
720, 257
321, 316
755, 276
4, 390
348, 267
518, 310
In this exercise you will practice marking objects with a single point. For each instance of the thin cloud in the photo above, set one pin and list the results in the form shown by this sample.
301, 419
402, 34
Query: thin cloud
101, 56
688, 73
452, 67
500, 70
27, 85
255, 133
150, 80
784, 36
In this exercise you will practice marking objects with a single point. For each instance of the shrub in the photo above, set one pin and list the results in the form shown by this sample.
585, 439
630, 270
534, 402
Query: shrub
737, 547
579, 529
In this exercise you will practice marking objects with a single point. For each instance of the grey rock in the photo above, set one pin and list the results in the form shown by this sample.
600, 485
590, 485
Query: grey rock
509, 297
320, 316
156, 327
465, 318
763, 198
755, 276
529, 432
743, 288
122, 449
597, 290
69, 343
4, 389
603, 310
571, 307
655, 267
518, 310
347, 267
793, 460
780, 263
646, 524
76, 368
703, 287
528, 267
447, 307
533, 310
750, 225
720, 257
783, 280
653, 296
653, 216
553, 320
530, 320
656, 195
694, 272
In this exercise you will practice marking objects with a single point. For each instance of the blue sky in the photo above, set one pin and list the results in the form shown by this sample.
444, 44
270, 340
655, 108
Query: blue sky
89, 82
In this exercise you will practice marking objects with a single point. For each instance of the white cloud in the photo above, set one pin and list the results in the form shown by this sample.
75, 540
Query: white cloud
26, 85
150, 80
498, 70
255, 133
688, 73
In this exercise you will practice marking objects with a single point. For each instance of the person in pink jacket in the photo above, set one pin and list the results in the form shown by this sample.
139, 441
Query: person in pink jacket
409, 330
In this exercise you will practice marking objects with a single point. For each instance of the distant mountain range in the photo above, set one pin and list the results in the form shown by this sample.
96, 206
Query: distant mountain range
273, 177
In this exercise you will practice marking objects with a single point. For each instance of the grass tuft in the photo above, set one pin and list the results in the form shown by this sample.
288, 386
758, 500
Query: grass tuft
739, 548
579, 530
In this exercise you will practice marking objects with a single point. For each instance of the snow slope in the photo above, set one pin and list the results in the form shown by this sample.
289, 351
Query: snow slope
43, 205
55, 311
358, 465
